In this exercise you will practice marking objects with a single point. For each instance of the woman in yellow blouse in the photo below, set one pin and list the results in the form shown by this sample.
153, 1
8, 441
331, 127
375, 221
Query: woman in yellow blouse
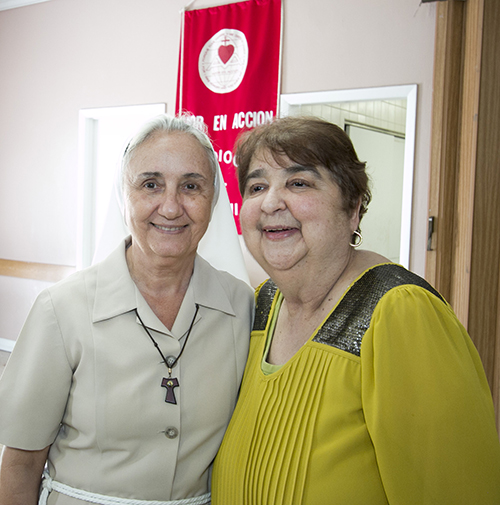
361, 387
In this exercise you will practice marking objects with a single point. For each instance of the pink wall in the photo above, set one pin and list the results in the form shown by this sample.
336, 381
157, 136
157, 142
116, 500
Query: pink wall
60, 56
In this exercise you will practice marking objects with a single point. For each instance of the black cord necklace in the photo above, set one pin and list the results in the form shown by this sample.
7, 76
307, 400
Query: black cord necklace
169, 382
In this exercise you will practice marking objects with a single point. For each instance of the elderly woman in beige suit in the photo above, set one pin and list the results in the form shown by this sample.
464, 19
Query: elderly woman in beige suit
125, 375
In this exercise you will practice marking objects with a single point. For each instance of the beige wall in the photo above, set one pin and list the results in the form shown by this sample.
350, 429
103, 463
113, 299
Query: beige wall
60, 56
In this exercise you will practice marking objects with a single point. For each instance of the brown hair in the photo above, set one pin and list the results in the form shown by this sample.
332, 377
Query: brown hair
308, 141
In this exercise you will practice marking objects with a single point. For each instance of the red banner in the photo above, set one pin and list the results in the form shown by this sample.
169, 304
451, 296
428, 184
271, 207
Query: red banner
229, 74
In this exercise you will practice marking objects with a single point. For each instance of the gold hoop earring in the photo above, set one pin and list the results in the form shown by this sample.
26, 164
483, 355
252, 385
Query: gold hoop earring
356, 234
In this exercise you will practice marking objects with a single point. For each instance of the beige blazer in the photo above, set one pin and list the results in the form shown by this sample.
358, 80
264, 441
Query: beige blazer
85, 377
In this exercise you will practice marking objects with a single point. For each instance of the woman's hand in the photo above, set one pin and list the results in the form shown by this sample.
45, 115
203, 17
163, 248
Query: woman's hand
20, 475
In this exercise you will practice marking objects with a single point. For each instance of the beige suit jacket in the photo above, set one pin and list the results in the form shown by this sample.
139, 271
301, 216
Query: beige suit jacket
85, 377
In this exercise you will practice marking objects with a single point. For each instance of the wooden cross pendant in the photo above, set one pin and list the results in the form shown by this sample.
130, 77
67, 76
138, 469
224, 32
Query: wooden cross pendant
170, 383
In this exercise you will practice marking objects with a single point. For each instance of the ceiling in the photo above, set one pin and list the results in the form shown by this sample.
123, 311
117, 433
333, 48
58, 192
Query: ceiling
12, 4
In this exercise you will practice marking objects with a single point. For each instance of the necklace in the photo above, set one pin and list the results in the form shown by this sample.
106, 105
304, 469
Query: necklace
169, 382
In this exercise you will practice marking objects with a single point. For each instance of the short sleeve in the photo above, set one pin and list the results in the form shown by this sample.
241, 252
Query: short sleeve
35, 384
427, 404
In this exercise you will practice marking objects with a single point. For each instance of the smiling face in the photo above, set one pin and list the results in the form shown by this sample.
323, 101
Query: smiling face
293, 216
168, 189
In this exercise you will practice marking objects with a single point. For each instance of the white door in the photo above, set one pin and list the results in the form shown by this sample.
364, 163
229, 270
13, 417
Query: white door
104, 133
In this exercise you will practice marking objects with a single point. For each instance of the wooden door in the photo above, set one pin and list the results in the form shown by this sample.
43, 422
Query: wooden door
464, 260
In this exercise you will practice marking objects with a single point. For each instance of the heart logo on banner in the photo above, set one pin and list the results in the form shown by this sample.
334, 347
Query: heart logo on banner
225, 53
223, 60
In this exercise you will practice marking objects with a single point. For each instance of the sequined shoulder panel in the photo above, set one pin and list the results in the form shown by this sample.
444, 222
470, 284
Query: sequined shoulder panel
263, 306
346, 326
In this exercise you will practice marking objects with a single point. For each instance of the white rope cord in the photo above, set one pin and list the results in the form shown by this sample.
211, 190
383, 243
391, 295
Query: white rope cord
49, 485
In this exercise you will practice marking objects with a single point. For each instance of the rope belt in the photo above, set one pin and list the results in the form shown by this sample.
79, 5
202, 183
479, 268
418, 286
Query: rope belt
49, 485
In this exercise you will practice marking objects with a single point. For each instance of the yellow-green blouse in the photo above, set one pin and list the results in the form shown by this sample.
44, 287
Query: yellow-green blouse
387, 403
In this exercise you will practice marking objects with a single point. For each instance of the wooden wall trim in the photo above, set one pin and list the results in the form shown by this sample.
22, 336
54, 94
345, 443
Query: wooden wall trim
35, 271
496, 378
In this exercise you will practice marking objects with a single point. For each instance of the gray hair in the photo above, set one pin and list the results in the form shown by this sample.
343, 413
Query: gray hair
165, 123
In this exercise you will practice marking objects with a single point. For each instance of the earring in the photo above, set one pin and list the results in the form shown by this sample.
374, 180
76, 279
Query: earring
356, 234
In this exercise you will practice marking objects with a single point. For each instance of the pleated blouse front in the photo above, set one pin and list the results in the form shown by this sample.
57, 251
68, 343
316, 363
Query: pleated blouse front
281, 437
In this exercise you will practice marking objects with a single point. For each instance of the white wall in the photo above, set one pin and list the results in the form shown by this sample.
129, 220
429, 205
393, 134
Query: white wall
60, 56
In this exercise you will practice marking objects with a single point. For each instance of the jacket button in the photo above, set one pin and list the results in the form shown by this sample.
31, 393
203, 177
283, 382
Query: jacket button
171, 432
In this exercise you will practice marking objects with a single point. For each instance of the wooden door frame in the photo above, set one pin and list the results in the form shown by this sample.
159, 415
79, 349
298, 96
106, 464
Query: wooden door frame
445, 142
